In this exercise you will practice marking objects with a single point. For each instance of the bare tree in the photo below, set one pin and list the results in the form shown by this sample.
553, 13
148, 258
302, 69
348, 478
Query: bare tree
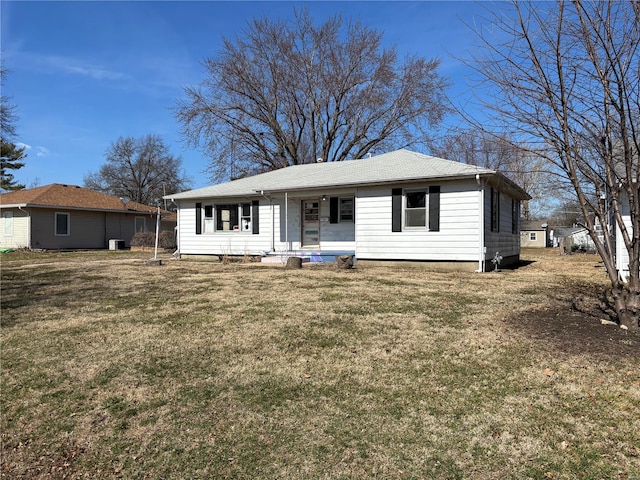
497, 152
287, 93
140, 169
566, 75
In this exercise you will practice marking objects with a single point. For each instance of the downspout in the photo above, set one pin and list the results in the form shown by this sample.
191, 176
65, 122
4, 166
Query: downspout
28, 227
481, 247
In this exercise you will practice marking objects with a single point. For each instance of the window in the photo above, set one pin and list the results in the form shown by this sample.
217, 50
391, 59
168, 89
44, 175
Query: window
495, 210
141, 224
515, 215
62, 224
533, 236
346, 210
341, 210
415, 209
233, 217
8, 224
208, 219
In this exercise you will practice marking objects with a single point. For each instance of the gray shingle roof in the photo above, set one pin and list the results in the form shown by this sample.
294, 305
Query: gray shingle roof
397, 166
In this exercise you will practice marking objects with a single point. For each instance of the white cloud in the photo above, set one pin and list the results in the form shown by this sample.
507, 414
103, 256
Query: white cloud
69, 65
78, 67
23, 145
42, 152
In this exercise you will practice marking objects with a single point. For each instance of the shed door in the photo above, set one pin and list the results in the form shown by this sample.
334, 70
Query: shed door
310, 223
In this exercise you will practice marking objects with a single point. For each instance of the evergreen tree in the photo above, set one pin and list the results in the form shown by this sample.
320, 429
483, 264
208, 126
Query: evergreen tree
10, 156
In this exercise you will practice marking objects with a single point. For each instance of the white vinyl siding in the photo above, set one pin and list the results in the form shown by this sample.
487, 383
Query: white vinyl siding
223, 242
622, 254
19, 228
500, 239
457, 239
7, 227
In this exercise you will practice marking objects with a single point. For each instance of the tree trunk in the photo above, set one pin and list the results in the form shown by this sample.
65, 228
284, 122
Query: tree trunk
627, 305
344, 261
294, 262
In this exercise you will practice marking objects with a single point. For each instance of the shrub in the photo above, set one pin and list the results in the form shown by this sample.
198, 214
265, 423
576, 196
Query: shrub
166, 239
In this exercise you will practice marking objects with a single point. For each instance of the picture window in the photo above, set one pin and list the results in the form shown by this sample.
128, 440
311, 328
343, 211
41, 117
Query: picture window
232, 217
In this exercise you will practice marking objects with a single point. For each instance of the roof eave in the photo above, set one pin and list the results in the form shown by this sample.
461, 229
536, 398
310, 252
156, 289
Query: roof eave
67, 207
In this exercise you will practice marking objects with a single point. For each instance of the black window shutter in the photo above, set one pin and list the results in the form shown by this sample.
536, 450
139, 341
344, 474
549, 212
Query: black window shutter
255, 220
333, 209
396, 210
198, 218
434, 209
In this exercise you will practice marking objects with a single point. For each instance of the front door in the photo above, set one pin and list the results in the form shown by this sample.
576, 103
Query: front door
311, 223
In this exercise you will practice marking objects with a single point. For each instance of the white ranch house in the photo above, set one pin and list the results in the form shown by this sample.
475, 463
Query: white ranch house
400, 205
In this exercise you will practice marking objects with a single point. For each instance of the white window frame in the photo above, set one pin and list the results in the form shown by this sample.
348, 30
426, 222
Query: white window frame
55, 224
208, 220
533, 236
8, 224
405, 208
245, 222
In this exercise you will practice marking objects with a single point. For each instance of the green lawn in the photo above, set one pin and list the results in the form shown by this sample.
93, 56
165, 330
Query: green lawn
112, 368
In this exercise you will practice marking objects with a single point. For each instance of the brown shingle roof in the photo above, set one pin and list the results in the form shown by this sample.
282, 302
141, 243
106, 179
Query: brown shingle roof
69, 196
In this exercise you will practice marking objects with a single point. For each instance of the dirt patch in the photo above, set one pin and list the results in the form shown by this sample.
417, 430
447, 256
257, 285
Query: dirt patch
565, 330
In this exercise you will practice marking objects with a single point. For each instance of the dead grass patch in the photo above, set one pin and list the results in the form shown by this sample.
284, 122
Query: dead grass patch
112, 368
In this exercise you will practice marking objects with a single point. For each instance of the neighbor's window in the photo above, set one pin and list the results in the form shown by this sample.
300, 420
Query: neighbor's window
346, 210
233, 217
8, 224
62, 224
533, 236
141, 224
415, 208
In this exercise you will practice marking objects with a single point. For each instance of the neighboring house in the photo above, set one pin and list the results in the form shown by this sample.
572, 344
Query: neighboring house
534, 234
622, 254
60, 216
573, 238
400, 205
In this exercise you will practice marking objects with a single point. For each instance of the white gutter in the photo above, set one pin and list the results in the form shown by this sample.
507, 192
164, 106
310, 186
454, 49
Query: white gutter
481, 247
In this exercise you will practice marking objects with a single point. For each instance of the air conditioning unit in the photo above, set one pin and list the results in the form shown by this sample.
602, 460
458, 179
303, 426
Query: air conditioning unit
116, 244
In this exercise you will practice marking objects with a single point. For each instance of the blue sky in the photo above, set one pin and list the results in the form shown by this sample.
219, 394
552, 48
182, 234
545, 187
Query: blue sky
83, 74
